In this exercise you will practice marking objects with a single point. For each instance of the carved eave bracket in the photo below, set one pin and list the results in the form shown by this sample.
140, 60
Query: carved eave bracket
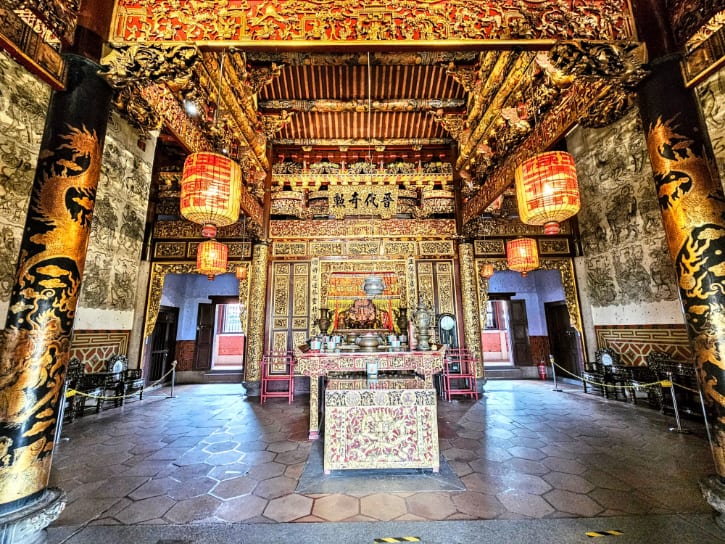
272, 124
133, 69
453, 123
258, 77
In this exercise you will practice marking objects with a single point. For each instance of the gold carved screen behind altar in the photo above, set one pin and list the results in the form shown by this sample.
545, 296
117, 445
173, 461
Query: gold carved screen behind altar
344, 288
290, 321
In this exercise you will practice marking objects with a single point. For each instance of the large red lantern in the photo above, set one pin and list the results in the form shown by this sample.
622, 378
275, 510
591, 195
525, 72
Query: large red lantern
211, 186
547, 190
211, 258
522, 255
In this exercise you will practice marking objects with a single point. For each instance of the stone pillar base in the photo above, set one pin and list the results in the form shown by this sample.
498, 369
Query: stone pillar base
27, 525
252, 389
713, 489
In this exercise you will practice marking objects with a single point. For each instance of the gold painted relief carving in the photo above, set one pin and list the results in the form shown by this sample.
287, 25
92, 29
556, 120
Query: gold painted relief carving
257, 314
469, 296
285, 249
436, 247
300, 323
167, 250
393, 247
446, 292
280, 289
363, 247
296, 21
301, 301
319, 249
315, 291
489, 247
361, 228
411, 282
553, 246
279, 322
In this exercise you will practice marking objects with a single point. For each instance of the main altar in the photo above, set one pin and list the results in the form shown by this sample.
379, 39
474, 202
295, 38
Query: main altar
318, 365
389, 422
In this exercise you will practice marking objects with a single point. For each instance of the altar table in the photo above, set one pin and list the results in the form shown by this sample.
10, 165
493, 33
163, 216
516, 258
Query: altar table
318, 364
386, 423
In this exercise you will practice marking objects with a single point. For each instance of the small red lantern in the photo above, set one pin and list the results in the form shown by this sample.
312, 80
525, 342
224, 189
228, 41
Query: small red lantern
241, 272
547, 190
211, 258
486, 271
211, 186
522, 255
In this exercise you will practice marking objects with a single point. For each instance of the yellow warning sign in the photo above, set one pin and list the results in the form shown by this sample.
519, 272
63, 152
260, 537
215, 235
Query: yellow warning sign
398, 539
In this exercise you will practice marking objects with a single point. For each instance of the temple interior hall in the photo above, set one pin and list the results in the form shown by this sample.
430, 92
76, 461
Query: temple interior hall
440, 269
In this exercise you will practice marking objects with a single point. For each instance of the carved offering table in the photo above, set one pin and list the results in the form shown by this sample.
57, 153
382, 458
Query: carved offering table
387, 423
316, 365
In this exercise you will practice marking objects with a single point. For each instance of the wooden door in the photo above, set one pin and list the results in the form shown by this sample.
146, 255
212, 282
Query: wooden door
519, 325
204, 347
564, 340
163, 343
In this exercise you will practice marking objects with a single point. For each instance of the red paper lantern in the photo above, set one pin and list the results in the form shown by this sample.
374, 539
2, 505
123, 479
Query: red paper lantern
486, 271
241, 272
547, 190
522, 255
211, 187
211, 258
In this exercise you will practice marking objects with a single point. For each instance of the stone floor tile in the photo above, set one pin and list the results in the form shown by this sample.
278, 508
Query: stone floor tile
265, 471
227, 472
431, 505
336, 507
518, 502
119, 486
292, 457
478, 505
621, 500
288, 508
224, 458
145, 510
241, 509
525, 483
154, 488
235, 487
194, 509
83, 509
383, 506
282, 446
527, 466
220, 447
294, 471
573, 503
568, 482
192, 487
275, 487
531, 454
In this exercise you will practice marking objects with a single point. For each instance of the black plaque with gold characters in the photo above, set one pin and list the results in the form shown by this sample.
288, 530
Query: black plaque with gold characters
36, 341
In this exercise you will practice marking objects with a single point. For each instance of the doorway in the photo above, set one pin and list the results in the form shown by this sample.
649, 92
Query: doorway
564, 340
495, 334
229, 338
163, 343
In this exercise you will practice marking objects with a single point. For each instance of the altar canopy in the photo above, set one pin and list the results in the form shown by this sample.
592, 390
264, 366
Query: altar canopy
345, 288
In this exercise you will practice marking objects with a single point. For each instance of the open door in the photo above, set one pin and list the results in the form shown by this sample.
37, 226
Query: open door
204, 337
163, 343
564, 340
520, 333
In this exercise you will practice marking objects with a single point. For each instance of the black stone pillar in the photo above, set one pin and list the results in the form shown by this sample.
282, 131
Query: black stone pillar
693, 209
35, 343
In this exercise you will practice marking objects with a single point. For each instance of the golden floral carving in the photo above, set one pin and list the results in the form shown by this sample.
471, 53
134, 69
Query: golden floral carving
469, 299
257, 306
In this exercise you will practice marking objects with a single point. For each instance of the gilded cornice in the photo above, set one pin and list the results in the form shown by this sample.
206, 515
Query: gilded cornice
362, 228
297, 22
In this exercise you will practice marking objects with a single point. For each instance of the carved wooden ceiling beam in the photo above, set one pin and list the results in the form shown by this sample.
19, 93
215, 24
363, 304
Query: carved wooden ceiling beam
362, 142
508, 74
251, 134
337, 106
